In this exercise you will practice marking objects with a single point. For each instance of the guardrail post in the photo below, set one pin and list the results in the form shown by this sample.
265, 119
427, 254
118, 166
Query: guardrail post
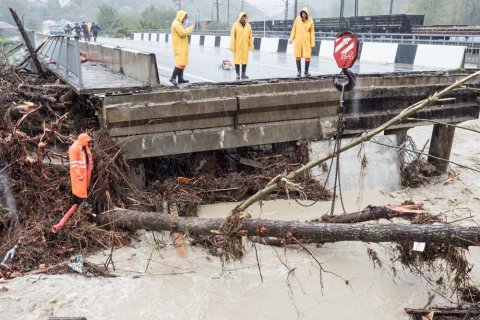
59, 52
48, 45
67, 54
53, 50
79, 64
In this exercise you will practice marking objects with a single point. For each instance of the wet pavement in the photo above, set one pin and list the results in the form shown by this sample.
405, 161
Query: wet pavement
205, 63
99, 79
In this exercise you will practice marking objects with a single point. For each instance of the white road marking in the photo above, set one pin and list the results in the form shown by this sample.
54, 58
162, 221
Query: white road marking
189, 74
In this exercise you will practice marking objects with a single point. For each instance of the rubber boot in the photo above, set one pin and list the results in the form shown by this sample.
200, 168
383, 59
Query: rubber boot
173, 79
180, 77
299, 68
244, 72
237, 70
307, 64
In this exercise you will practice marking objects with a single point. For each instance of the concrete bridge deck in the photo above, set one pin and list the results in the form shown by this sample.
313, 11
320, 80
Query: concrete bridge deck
204, 63
207, 117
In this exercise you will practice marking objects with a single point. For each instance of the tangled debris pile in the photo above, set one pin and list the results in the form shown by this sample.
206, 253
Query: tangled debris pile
232, 181
40, 118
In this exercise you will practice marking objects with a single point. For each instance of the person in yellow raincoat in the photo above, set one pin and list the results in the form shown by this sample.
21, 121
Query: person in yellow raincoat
180, 46
241, 41
303, 37
89, 28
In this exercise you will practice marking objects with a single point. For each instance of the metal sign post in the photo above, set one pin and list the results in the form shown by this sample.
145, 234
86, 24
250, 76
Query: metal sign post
345, 52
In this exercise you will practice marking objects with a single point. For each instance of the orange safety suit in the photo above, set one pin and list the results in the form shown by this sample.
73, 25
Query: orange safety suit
81, 165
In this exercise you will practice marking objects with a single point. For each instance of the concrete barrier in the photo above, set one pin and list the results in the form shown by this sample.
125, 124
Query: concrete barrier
447, 57
269, 45
290, 48
112, 56
326, 49
141, 66
209, 41
225, 42
195, 40
379, 52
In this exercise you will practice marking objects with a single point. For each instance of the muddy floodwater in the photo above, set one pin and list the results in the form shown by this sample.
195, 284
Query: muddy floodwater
155, 283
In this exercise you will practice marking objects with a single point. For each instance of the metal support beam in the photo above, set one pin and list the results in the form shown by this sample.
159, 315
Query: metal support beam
228, 13
391, 6
286, 9
340, 16
295, 10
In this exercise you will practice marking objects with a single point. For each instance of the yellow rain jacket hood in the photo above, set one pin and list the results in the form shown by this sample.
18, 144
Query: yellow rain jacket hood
180, 39
241, 40
81, 165
303, 36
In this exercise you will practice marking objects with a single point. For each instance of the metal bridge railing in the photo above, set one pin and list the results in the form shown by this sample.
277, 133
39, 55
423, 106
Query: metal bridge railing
471, 42
62, 56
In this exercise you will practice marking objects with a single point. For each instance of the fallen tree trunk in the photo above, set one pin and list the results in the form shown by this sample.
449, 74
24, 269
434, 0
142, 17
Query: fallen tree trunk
314, 231
37, 97
446, 312
26, 39
375, 213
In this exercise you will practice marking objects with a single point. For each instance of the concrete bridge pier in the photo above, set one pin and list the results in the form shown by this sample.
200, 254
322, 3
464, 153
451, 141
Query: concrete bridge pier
441, 146
400, 133
137, 173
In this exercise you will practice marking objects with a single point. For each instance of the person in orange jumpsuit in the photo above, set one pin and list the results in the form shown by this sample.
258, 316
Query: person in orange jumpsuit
303, 38
81, 167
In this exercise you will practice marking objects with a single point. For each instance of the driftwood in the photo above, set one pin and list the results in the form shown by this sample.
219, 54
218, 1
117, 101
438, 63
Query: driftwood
314, 231
370, 213
444, 312
37, 97
69, 96
28, 57
38, 88
375, 213
26, 39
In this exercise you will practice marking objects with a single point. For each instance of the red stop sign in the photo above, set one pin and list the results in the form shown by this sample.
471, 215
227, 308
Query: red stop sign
345, 50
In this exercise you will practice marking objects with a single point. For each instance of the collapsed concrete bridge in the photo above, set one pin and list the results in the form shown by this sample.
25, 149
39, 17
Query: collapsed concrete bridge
205, 117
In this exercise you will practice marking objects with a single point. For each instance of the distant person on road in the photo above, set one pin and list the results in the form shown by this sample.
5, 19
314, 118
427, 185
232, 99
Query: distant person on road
180, 45
303, 37
89, 28
241, 42
77, 31
95, 29
68, 30
86, 37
